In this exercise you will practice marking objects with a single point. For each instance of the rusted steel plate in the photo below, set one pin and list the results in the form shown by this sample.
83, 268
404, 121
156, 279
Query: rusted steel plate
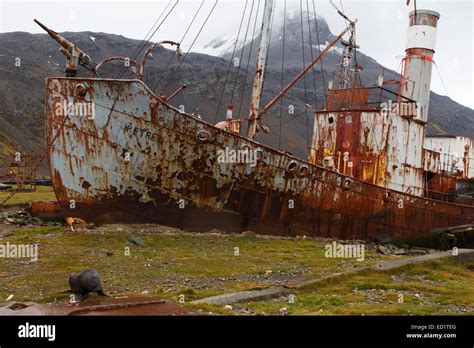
167, 164
383, 149
127, 306
134, 305
45, 210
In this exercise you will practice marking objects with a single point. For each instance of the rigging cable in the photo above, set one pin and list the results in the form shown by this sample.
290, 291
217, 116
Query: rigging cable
312, 56
230, 63
319, 48
296, 117
342, 10
357, 64
242, 53
143, 45
441, 78
122, 83
282, 73
181, 41
248, 60
192, 44
304, 76
147, 39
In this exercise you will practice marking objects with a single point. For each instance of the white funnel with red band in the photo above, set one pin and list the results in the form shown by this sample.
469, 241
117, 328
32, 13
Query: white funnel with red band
418, 62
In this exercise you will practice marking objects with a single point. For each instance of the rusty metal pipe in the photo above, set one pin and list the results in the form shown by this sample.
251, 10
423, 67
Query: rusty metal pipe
176, 92
152, 46
133, 64
339, 154
62, 41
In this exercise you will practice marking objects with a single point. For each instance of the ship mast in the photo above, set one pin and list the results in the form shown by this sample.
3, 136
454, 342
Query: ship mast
260, 72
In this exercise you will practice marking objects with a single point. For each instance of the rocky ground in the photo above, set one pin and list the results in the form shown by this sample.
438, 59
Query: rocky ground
16, 217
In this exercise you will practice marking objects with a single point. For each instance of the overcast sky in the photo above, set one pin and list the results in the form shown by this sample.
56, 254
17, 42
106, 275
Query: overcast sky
381, 30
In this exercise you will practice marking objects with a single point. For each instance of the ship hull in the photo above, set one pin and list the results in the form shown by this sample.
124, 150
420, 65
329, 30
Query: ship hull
139, 159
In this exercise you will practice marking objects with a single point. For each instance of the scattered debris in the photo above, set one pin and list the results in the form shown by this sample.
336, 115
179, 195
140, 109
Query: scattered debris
74, 220
390, 249
137, 241
457, 309
242, 310
215, 232
248, 234
23, 218
382, 239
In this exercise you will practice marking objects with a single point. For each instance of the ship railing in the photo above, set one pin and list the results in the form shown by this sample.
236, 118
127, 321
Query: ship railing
451, 197
369, 97
401, 87
390, 79
452, 163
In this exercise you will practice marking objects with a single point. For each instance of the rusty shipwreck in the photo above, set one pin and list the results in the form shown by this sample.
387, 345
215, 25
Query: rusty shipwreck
132, 156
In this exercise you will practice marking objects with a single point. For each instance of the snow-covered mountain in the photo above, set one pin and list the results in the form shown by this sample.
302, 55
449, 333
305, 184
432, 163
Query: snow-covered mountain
220, 46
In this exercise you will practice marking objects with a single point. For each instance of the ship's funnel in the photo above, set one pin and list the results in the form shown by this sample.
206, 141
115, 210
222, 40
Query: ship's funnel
230, 110
418, 62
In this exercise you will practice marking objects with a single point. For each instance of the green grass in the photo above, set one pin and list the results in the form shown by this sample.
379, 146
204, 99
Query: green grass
427, 289
201, 265
42, 193
173, 263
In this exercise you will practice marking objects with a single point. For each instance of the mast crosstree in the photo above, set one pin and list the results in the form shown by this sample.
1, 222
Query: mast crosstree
255, 112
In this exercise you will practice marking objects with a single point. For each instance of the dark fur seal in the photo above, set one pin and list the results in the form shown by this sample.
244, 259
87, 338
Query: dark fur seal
86, 282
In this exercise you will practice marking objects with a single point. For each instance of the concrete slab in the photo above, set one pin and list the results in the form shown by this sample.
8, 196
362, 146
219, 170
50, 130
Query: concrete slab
241, 296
